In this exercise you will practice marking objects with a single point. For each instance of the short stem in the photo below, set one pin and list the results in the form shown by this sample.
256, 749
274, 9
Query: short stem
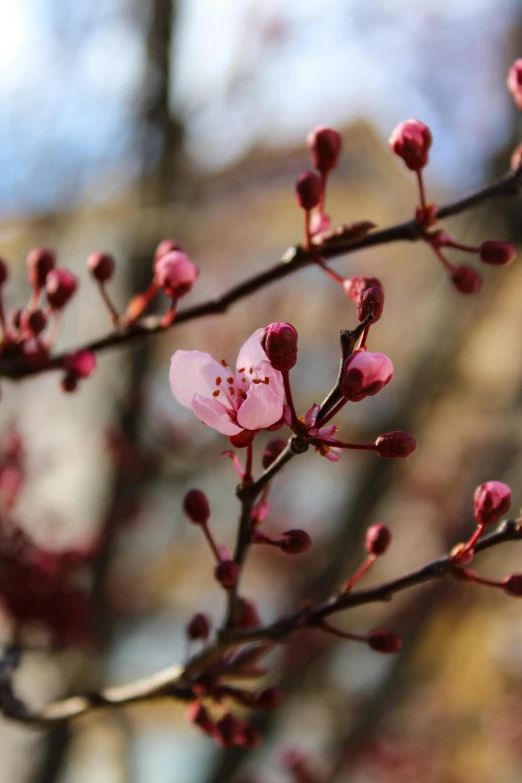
360, 446
324, 626
370, 560
330, 415
288, 394
362, 342
442, 258
464, 248
330, 272
115, 316
247, 476
168, 319
212, 543
323, 192
474, 538
140, 302
422, 194
308, 235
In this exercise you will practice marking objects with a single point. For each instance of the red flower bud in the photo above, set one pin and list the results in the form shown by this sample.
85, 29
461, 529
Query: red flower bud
196, 507
497, 253
69, 383
356, 286
514, 82
33, 321
395, 445
411, 141
80, 363
279, 342
272, 451
513, 585
325, 146
371, 300
227, 573
309, 189
294, 542
164, 247
101, 266
198, 627
466, 280
40, 261
175, 273
364, 374
378, 539
384, 641
492, 500
60, 286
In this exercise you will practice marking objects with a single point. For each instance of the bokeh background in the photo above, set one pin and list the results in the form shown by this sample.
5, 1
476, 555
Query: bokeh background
123, 122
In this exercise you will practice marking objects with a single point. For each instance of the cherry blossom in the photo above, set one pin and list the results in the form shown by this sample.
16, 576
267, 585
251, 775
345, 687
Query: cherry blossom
251, 398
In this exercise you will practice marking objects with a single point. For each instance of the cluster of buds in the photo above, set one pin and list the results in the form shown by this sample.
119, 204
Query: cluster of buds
325, 146
411, 141
197, 509
491, 500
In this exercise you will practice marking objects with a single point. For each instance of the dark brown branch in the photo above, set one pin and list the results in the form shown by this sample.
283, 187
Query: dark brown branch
294, 259
174, 682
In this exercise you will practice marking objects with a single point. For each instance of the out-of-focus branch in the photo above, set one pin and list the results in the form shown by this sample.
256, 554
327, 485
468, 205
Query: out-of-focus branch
295, 258
176, 682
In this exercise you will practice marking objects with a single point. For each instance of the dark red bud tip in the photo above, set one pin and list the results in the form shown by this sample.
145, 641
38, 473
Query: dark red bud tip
227, 573
101, 266
164, 247
33, 321
40, 261
294, 542
325, 145
365, 374
309, 189
384, 641
378, 539
411, 141
514, 82
513, 585
69, 383
196, 507
3, 271
356, 286
80, 363
492, 500
198, 627
268, 699
370, 301
466, 280
279, 342
272, 451
198, 715
395, 445
497, 253
60, 286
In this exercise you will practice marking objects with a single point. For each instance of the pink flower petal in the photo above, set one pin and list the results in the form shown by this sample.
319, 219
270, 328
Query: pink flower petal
193, 372
261, 408
251, 352
214, 414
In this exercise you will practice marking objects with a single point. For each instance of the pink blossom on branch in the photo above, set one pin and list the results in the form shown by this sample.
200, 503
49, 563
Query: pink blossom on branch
249, 399
411, 141
364, 374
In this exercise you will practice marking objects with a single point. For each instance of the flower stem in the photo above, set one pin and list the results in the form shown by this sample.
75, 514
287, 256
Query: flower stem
288, 394
370, 560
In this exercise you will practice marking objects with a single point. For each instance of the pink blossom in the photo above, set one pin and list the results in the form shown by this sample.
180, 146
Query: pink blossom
249, 399
175, 273
514, 82
411, 141
364, 374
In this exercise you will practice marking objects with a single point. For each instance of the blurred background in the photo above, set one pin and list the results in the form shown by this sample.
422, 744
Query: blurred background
124, 122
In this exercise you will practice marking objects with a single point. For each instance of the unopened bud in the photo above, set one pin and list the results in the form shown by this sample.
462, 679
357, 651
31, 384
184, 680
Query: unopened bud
40, 261
395, 445
279, 342
497, 253
514, 82
492, 500
33, 321
365, 374
294, 542
466, 280
513, 585
164, 247
411, 141
175, 273
309, 189
272, 451
356, 286
325, 146
101, 266
81, 363
60, 286
198, 627
227, 573
196, 507
384, 641
378, 539
370, 301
